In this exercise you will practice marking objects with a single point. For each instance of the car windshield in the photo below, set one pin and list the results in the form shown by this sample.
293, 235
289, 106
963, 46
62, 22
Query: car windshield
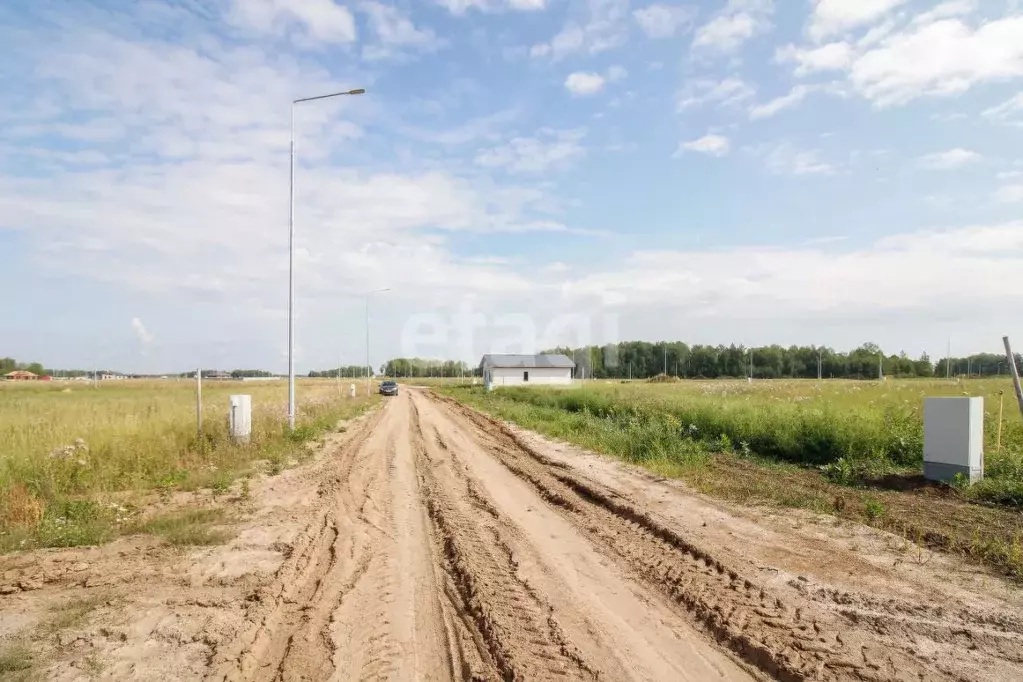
389, 383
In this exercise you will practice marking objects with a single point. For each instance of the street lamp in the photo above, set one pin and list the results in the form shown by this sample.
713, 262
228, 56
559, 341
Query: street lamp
291, 255
368, 366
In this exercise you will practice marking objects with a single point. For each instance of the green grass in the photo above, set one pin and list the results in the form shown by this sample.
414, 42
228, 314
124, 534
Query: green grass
72, 613
73, 454
192, 527
853, 449
854, 431
15, 659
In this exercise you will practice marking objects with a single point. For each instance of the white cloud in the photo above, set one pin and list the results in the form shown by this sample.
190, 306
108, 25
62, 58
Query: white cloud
729, 91
939, 59
712, 145
322, 20
548, 150
395, 30
462, 6
737, 23
784, 159
663, 21
934, 54
830, 57
795, 97
1009, 111
605, 27
877, 33
954, 8
831, 17
616, 74
140, 331
992, 239
948, 160
584, 83
1010, 193
919, 272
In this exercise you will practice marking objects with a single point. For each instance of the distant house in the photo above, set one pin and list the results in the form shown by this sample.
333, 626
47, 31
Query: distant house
21, 375
524, 370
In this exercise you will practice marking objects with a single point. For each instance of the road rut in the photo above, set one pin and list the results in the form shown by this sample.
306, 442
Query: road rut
443, 547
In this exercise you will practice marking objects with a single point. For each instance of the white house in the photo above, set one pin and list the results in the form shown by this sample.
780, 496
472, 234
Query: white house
526, 370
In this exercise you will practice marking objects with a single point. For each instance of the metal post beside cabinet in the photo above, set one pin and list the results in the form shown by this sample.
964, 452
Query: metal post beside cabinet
953, 438
240, 418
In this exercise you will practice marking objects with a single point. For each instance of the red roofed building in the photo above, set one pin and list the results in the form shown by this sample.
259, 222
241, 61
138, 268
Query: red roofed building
20, 375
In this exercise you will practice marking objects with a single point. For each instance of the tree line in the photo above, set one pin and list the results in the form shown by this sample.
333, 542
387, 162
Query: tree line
349, 371
643, 359
8, 365
420, 367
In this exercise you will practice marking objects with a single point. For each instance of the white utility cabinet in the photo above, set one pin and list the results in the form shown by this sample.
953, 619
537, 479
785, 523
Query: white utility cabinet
953, 438
240, 418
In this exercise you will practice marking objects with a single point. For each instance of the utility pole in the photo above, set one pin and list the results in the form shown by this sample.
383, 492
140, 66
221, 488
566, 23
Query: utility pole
367, 347
1014, 371
948, 361
198, 401
880, 367
665, 359
369, 369
291, 252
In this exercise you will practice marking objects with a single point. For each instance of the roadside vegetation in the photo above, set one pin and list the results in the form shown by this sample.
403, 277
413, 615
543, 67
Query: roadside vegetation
77, 462
853, 449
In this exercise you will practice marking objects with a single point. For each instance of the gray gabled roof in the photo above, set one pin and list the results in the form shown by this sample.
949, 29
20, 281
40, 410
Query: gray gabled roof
526, 361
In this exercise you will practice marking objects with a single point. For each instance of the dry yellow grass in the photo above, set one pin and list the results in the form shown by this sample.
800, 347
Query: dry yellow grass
66, 448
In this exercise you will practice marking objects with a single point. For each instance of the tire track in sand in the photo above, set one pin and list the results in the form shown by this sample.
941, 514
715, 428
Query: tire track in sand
785, 641
519, 635
441, 549
358, 597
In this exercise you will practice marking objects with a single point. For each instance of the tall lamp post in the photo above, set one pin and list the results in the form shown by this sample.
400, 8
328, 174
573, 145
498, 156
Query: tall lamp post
369, 369
291, 254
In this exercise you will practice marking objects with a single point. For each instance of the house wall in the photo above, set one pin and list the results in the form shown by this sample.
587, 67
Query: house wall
512, 376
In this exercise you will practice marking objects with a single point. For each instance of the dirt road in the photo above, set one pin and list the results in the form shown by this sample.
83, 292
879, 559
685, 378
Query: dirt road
435, 561
429, 542
449, 549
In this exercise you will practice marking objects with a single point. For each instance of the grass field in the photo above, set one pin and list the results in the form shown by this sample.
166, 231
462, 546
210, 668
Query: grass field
69, 452
849, 447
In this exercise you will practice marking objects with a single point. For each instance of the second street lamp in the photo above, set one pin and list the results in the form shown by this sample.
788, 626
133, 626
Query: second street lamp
291, 254
369, 367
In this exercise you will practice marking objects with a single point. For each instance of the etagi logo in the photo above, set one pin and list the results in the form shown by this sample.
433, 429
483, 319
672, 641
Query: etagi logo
470, 333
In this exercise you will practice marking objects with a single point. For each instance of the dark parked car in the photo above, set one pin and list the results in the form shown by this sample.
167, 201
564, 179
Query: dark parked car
388, 388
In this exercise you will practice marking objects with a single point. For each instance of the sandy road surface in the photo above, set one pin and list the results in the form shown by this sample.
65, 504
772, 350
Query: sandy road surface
432, 560
448, 548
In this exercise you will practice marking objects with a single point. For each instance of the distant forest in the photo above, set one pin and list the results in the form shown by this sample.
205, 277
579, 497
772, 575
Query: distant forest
642, 359
348, 371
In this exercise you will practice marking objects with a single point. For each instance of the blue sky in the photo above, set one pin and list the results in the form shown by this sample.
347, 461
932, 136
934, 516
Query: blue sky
560, 171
